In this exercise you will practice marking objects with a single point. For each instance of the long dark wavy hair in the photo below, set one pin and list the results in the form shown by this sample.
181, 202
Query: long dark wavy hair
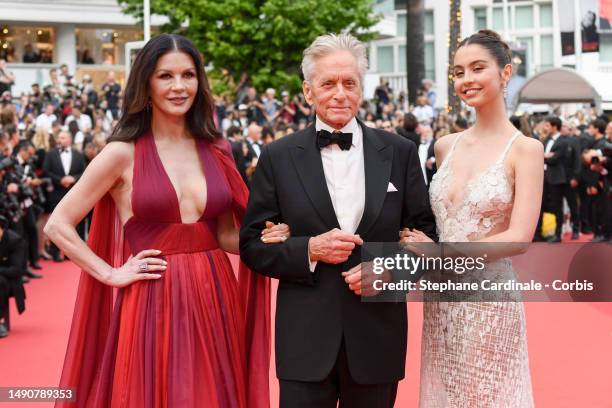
136, 116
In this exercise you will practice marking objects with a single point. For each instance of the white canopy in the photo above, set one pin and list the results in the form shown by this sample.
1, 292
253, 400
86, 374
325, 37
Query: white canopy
557, 85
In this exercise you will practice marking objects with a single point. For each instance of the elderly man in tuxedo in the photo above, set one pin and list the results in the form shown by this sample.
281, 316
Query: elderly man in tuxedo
335, 184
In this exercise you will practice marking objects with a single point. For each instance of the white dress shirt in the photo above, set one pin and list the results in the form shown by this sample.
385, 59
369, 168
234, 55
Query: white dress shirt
423, 150
44, 121
255, 145
66, 157
345, 177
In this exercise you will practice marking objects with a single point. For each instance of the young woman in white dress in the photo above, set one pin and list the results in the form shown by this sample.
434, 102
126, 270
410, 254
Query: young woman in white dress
488, 188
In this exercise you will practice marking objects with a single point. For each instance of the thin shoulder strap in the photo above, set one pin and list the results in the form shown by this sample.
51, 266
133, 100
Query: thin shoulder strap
507, 149
452, 150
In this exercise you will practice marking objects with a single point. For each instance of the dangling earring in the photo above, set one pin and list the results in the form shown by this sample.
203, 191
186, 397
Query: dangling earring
149, 105
505, 91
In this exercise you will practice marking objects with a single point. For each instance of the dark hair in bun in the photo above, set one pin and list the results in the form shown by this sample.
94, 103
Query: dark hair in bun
493, 43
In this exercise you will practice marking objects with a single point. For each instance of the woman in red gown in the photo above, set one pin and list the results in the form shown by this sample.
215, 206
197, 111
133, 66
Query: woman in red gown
180, 330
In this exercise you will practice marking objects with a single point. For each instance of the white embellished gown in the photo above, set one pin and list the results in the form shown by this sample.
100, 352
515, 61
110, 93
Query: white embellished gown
474, 354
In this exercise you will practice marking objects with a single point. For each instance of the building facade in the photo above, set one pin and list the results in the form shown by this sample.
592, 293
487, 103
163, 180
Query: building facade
87, 35
532, 27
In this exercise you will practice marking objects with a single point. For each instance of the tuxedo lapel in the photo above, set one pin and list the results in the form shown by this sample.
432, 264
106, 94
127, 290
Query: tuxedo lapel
377, 159
73, 161
58, 162
307, 160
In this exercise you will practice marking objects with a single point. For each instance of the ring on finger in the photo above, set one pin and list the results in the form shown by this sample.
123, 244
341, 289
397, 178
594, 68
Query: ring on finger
143, 266
283, 238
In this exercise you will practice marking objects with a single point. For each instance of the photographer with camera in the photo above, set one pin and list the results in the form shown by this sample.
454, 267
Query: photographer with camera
32, 200
64, 166
12, 253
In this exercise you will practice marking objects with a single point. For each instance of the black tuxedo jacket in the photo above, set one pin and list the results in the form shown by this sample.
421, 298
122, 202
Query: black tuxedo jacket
314, 311
239, 159
52, 167
555, 166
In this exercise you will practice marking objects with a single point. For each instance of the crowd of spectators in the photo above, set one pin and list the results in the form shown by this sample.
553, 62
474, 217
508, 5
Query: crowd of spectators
48, 135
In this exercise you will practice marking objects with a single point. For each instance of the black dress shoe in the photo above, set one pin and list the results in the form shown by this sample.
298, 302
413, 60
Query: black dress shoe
58, 258
555, 238
575, 235
46, 257
3, 330
599, 238
25, 279
35, 265
32, 275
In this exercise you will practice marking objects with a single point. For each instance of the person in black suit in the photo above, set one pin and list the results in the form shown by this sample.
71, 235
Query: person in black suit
409, 129
254, 146
336, 184
555, 179
572, 171
12, 268
234, 136
64, 165
596, 182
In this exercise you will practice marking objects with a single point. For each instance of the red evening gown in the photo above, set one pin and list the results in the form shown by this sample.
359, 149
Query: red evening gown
197, 337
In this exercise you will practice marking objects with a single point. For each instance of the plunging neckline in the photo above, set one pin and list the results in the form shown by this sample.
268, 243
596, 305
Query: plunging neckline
169, 181
469, 184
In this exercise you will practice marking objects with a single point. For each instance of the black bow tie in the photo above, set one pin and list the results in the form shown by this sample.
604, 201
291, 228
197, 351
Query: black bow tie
66, 150
343, 140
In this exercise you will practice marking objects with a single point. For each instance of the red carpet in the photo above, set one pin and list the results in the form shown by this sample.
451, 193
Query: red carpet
570, 346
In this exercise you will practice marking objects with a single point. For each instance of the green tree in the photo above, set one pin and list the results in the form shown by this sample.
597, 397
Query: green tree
263, 38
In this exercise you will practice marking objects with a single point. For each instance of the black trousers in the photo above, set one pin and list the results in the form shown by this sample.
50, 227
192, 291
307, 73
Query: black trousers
552, 201
585, 207
599, 214
571, 196
338, 386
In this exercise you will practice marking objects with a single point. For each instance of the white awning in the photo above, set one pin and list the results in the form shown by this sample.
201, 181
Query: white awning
559, 85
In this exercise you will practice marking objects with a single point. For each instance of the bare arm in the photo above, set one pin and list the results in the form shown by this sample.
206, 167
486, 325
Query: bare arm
104, 172
227, 233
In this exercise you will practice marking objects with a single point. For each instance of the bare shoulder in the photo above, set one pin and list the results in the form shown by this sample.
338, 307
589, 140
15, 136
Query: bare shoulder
443, 146
118, 154
527, 147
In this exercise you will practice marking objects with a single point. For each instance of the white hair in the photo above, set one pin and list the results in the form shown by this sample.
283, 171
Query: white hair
326, 44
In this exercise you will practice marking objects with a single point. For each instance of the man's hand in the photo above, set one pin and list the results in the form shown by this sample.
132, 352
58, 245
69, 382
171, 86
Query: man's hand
12, 188
67, 181
361, 279
548, 155
332, 247
573, 183
429, 163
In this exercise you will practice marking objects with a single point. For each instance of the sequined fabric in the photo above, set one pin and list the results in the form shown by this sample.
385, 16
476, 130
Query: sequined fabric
474, 354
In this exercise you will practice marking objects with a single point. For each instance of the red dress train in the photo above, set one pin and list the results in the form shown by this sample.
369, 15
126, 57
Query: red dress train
197, 337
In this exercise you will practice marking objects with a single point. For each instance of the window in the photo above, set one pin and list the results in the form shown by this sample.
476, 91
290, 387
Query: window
401, 25
27, 44
546, 16
480, 18
605, 47
525, 53
385, 59
103, 46
523, 17
430, 61
498, 19
547, 58
401, 58
429, 22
